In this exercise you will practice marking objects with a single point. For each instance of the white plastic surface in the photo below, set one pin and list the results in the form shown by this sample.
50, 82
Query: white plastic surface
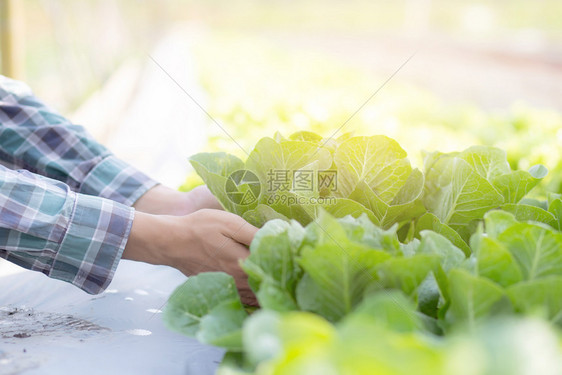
51, 327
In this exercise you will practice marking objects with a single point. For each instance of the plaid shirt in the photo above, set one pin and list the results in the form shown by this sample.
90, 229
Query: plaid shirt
64, 198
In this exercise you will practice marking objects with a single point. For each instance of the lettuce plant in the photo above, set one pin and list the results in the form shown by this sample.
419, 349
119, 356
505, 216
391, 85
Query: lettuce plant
334, 267
405, 258
462, 186
371, 176
382, 337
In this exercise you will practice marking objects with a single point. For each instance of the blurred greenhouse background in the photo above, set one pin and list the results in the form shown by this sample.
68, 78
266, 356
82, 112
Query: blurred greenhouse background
482, 72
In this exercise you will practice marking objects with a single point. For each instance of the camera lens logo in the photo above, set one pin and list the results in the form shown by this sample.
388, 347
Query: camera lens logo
242, 187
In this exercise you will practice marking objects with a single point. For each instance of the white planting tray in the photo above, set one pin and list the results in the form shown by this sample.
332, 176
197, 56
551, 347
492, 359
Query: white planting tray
51, 327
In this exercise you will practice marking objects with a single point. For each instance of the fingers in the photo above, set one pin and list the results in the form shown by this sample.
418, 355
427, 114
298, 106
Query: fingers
233, 252
229, 224
236, 228
247, 296
222, 238
242, 231
239, 252
249, 299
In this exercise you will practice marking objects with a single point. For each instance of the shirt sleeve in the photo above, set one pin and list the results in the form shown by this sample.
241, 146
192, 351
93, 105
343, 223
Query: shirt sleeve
46, 227
36, 138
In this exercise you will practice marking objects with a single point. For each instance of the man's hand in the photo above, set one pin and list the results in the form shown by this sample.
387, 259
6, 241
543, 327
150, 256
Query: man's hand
162, 200
206, 240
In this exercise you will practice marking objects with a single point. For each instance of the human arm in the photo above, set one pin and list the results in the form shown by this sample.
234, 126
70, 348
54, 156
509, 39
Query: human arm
86, 253
35, 137
162, 200
46, 227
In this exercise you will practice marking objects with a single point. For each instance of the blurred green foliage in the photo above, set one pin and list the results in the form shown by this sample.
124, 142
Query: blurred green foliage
256, 89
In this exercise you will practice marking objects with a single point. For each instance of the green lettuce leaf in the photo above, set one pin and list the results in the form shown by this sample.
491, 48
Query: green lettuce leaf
496, 263
261, 336
363, 231
555, 208
449, 255
543, 297
496, 222
306, 136
515, 185
272, 267
462, 186
208, 307
472, 298
429, 221
336, 278
339, 207
405, 206
286, 157
525, 212
215, 169
378, 161
371, 176
391, 309
456, 194
536, 248
406, 274
261, 215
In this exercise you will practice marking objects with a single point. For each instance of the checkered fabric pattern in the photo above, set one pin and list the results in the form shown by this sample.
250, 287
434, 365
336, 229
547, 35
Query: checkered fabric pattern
64, 198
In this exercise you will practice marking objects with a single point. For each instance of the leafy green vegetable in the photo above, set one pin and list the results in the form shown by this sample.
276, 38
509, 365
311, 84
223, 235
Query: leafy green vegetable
428, 221
542, 297
405, 206
262, 214
456, 194
384, 252
383, 336
407, 274
207, 306
297, 177
497, 222
514, 185
214, 169
496, 263
390, 309
378, 161
555, 208
336, 277
462, 186
433, 243
525, 212
261, 336
359, 275
537, 249
473, 297
290, 157
271, 267
374, 171
362, 231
